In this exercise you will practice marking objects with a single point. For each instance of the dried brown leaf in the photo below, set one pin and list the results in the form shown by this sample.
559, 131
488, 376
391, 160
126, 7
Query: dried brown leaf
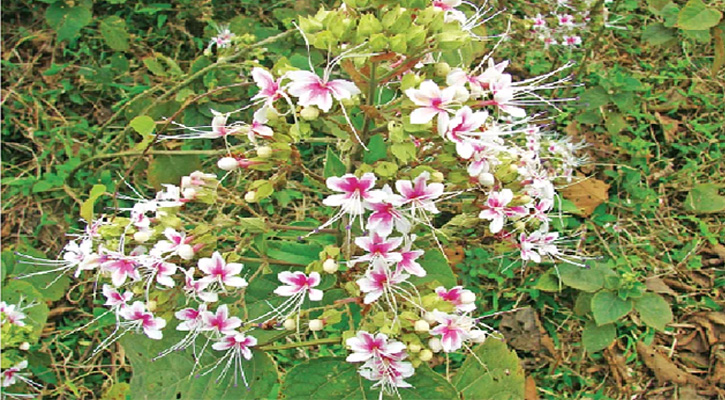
664, 369
587, 195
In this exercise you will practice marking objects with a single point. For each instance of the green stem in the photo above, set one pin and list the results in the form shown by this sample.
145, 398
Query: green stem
308, 343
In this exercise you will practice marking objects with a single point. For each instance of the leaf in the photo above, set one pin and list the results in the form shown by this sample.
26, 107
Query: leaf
548, 282
499, 378
113, 30
171, 168
607, 307
437, 268
705, 199
377, 150
35, 316
333, 165
654, 310
171, 377
67, 21
143, 124
657, 34
334, 378
87, 206
50, 286
697, 16
386, 169
300, 253
587, 280
405, 152
587, 194
596, 338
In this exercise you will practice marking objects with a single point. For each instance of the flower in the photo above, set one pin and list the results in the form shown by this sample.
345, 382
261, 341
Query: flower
297, 282
269, 89
114, 298
121, 267
454, 330
140, 318
409, 256
498, 211
11, 315
236, 340
11, 375
377, 280
390, 374
385, 215
357, 193
220, 322
192, 318
196, 288
433, 102
419, 194
311, 90
173, 244
366, 346
237, 347
379, 249
462, 299
223, 38
219, 271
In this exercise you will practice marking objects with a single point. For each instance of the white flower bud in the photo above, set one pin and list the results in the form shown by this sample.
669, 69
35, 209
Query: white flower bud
290, 324
25, 346
151, 305
442, 69
186, 252
467, 297
310, 113
425, 355
429, 317
486, 179
435, 344
316, 325
330, 266
478, 338
414, 347
142, 236
437, 176
250, 196
514, 168
227, 163
422, 326
264, 152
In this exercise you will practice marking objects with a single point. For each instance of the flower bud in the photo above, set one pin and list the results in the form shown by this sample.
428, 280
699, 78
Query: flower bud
514, 168
437, 176
422, 326
425, 355
486, 179
227, 163
316, 325
519, 225
479, 338
25, 346
467, 297
264, 152
310, 113
435, 345
290, 324
151, 305
442, 69
429, 317
250, 196
414, 347
186, 252
330, 266
142, 236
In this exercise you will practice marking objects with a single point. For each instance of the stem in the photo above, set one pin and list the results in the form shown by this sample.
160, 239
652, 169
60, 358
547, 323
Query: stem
302, 344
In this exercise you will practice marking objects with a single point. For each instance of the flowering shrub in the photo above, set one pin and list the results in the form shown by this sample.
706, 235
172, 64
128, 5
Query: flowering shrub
433, 138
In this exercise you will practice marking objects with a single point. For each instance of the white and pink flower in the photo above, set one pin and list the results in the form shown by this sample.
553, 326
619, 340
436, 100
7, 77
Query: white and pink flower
498, 211
432, 102
311, 90
139, 318
299, 284
217, 270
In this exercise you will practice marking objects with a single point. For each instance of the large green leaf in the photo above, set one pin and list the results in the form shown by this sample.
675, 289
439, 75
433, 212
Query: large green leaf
437, 268
586, 280
50, 286
23, 293
170, 169
68, 21
499, 378
171, 377
595, 338
654, 310
704, 199
697, 16
607, 307
333, 165
113, 30
334, 378
300, 253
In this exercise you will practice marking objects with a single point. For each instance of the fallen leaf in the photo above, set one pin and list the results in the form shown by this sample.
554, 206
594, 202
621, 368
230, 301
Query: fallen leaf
521, 329
587, 194
669, 126
664, 369
455, 254
530, 392
657, 285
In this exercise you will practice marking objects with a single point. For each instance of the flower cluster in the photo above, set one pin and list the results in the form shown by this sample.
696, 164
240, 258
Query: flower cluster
15, 333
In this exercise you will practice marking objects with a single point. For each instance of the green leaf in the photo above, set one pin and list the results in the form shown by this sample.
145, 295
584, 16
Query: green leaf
377, 150
171, 377
113, 30
50, 286
300, 253
333, 165
386, 169
171, 168
87, 206
586, 280
67, 21
705, 199
583, 304
143, 124
657, 34
594, 98
334, 378
499, 378
35, 316
548, 282
607, 307
405, 152
697, 16
437, 268
596, 338
654, 310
